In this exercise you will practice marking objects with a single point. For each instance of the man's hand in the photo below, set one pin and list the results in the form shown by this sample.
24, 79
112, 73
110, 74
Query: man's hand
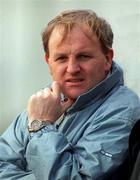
46, 104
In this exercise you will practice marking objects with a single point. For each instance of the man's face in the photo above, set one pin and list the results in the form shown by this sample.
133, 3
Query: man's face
77, 62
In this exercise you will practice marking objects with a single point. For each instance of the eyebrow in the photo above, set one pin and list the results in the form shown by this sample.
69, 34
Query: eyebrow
77, 54
60, 54
84, 52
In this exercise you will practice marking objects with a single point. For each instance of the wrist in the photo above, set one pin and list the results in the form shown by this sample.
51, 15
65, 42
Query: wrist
37, 124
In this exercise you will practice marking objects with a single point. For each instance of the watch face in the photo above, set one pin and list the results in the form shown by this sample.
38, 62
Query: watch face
36, 125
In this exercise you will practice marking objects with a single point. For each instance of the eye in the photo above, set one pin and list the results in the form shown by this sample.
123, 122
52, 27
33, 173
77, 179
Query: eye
61, 59
84, 57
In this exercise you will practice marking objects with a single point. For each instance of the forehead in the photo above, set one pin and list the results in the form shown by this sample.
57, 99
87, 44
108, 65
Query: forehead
72, 34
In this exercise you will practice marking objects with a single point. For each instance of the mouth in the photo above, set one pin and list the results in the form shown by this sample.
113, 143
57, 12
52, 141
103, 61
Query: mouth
74, 81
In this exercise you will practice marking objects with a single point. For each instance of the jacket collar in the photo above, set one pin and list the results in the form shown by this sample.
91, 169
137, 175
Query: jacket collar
114, 79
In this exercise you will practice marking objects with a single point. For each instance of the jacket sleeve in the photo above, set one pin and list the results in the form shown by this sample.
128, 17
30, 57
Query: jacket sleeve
51, 156
12, 150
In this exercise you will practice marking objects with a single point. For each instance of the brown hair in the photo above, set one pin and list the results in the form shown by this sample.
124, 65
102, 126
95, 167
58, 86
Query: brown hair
85, 18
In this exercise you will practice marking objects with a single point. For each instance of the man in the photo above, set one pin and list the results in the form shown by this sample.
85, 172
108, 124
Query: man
78, 128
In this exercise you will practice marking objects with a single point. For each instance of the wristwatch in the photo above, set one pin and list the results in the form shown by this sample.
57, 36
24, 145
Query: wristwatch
37, 124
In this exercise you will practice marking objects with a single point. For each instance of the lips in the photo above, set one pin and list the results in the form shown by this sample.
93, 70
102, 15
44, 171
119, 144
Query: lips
74, 81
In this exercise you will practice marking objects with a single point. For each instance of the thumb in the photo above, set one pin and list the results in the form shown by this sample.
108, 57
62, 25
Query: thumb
56, 88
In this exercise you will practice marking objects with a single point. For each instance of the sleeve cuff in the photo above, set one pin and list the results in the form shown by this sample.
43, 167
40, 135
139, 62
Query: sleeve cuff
46, 129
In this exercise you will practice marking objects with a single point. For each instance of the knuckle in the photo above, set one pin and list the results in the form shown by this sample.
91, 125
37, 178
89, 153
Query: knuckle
39, 93
32, 97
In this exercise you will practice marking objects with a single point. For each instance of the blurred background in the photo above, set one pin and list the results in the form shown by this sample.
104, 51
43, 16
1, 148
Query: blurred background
23, 70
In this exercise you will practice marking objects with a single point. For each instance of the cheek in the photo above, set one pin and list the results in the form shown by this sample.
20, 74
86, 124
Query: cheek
56, 72
97, 72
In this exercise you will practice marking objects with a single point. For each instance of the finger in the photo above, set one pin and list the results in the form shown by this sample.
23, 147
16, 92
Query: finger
47, 87
39, 93
43, 92
47, 91
32, 97
56, 88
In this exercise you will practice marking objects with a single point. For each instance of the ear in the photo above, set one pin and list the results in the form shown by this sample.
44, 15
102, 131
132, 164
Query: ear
46, 58
109, 55
47, 61
109, 58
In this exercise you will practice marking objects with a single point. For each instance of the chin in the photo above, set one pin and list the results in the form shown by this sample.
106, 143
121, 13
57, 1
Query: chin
74, 95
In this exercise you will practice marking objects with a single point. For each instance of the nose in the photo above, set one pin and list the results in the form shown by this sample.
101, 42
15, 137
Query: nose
73, 66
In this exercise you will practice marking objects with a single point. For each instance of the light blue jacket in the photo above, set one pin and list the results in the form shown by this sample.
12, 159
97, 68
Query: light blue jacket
90, 142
